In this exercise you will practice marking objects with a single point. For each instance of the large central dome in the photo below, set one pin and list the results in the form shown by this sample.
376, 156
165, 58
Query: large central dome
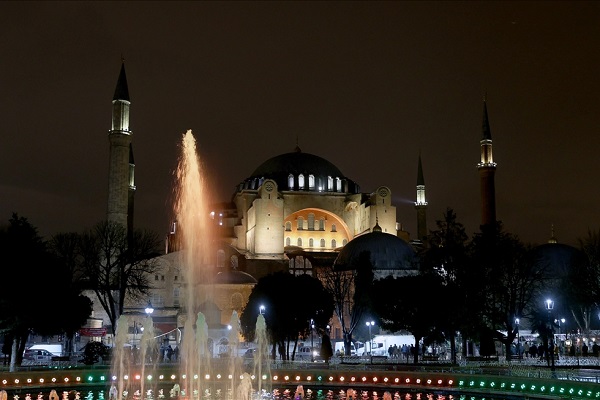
298, 171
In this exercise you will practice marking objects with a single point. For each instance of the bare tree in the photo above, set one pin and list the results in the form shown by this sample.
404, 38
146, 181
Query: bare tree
118, 266
350, 290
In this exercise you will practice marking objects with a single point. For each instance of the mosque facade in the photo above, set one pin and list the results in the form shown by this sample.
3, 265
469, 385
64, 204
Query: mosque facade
296, 212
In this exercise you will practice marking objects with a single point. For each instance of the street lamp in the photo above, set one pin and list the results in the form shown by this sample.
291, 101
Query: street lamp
517, 320
370, 324
261, 309
149, 309
312, 353
550, 307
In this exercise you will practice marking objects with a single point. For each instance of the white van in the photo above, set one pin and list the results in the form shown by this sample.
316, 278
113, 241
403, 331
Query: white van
55, 349
339, 349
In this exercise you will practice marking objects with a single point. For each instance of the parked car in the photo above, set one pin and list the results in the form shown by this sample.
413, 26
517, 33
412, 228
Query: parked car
39, 355
308, 354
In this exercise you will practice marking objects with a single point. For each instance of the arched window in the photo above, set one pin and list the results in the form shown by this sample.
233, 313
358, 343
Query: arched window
311, 242
288, 241
329, 183
321, 224
234, 262
299, 242
301, 181
290, 181
333, 244
322, 242
288, 226
344, 242
311, 182
300, 223
311, 222
338, 184
333, 228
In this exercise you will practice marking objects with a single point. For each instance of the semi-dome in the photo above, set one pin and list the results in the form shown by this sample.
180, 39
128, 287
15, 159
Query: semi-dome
298, 171
387, 253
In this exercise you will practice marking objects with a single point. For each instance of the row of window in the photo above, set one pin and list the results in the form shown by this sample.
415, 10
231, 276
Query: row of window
310, 225
311, 242
320, 184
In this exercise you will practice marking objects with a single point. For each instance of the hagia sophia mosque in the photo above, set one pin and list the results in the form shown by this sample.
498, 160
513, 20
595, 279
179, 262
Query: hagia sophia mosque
296, 212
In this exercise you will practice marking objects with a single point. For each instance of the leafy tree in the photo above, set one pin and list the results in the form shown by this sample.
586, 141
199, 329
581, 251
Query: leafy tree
57, 310
290, 304
400, 305
118, 265
447, 257
351, 293
509, 281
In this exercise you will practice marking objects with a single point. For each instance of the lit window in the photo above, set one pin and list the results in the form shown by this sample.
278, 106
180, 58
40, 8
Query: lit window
311, 182
310, 242
322, 242
301, 181
290, 181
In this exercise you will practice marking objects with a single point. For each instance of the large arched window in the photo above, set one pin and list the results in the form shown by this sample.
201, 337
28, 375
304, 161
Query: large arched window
333, 244
288, 226
300, 223
311, 222
338, 184
311, 242
322, 242
290, 181
329, 183
321, 224
301, 181
299, 242
288, 241
333, 228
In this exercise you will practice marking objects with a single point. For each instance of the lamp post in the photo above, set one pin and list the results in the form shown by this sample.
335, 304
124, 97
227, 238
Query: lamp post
550, 307
261, 309
517, 320
559, 322
312, 327
370, 324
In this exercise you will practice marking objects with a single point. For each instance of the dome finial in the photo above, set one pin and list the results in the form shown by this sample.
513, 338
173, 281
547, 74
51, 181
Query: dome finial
552, 238
297, 149
376, 228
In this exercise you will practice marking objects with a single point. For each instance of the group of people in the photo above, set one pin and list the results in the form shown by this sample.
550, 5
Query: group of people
395, 351
168, 353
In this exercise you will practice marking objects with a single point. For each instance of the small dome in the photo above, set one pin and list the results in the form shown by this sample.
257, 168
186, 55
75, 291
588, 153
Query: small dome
281, 167
234, 277
387, 252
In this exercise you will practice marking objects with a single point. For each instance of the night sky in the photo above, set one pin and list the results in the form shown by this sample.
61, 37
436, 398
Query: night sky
365, 85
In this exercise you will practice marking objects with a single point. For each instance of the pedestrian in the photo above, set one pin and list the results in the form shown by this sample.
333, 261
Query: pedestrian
391, 351
175, 353
533, 350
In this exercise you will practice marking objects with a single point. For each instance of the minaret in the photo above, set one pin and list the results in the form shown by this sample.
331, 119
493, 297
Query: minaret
120, 171
487, 169
131, 191
421, 204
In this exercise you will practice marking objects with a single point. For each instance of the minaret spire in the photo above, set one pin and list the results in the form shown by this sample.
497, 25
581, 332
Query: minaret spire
421, 203
487, 170
120, 174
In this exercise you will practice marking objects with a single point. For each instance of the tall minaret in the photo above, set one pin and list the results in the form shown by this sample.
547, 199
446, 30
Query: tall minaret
120, 172
487, 170
421, 204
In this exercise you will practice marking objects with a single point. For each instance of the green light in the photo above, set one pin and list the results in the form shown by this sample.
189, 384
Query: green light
503, 385
102, 378
472, 383
482, 384
543, 388
90, 378
522, 386
319, 378
493, 384
461, 383
532, 388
